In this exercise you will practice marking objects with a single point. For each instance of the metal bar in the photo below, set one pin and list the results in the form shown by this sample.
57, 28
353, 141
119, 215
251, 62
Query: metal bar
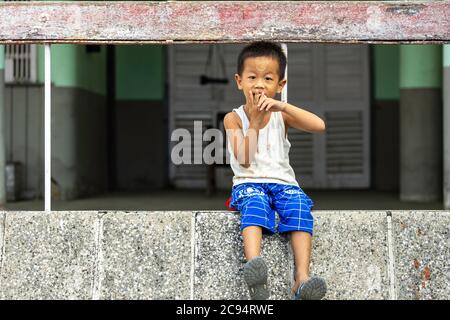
47, 126
284, 91
170, 22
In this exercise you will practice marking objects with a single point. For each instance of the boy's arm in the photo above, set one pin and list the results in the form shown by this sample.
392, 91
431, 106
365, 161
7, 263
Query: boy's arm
301, 119
244, 147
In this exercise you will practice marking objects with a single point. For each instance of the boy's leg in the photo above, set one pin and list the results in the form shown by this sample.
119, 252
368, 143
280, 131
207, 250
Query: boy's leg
252, 236
254, 206
294, 209
301, 247
255, 270
251, 200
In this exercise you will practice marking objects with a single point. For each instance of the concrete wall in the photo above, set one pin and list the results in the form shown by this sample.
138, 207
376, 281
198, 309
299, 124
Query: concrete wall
140, 73
79, 122
24, 133
73, 66
141, 145
79, 161
79, 150
385, 115
386, 64
141, 118
421, 124
198, 255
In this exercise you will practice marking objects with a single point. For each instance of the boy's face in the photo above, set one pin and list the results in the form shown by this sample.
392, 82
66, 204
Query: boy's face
260, 74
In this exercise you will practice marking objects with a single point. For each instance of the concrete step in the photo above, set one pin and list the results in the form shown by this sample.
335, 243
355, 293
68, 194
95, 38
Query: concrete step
199, 255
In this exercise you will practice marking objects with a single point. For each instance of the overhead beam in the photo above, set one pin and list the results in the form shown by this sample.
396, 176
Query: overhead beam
225, 22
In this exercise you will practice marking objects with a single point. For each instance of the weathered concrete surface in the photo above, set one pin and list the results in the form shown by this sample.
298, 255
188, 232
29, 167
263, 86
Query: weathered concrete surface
421, 143
78, 143
227, 21
145, 255
199, 255
422, 254
219, 259
48, 255
2, 222
341, 240
350, 251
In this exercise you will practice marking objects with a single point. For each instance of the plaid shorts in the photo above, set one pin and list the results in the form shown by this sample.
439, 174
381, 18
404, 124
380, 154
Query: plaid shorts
257, 203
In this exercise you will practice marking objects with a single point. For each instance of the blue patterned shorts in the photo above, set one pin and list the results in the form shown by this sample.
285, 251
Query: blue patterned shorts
258, 202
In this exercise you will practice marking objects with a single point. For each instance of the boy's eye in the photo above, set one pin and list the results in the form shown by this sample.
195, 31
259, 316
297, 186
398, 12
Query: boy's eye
252, 77
268, 78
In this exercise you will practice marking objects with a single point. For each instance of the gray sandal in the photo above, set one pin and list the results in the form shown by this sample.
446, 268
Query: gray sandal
313, 289
255, 275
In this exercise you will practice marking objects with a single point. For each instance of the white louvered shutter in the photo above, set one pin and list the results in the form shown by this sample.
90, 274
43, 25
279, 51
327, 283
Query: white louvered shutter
346, 110
303, 92
331, 81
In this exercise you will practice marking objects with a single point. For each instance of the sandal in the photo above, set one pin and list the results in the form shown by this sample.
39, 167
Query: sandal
314, 288
255, 275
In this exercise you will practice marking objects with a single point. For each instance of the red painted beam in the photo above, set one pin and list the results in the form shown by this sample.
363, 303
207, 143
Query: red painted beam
225, 22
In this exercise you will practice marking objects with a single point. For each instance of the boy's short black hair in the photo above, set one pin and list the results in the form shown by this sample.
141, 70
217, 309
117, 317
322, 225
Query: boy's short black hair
263, 49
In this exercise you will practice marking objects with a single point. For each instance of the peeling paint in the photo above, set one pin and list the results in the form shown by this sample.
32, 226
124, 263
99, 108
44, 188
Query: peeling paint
416, 264
426, 274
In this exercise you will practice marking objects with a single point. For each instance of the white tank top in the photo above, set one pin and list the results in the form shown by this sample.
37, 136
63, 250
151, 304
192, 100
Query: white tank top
271, 161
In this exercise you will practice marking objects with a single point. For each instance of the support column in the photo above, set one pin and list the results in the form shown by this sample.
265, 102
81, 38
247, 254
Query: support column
420, 123
2, 129
446, 124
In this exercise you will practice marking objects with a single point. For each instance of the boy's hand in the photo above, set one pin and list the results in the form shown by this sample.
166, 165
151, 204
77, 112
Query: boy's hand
255, 114
269, 104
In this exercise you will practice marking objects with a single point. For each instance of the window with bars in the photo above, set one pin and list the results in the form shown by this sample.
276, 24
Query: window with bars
20, 62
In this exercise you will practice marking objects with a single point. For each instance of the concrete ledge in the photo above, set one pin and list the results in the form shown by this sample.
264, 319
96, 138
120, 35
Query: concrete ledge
422, 254
48, 256
199, 255
350, 250
219, 259
145, 256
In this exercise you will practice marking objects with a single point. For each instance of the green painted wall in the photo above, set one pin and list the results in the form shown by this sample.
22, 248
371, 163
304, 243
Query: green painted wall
140, 72
2, 57
446, 54
420, 66
72, 66
386, 72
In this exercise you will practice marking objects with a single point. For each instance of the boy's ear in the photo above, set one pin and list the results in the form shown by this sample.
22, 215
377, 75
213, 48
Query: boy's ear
238, 80
281, 85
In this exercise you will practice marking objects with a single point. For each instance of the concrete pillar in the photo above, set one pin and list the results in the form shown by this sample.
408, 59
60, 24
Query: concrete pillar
2, 128
446, 124
420, 123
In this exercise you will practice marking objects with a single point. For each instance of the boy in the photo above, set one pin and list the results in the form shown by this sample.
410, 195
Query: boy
264, 181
